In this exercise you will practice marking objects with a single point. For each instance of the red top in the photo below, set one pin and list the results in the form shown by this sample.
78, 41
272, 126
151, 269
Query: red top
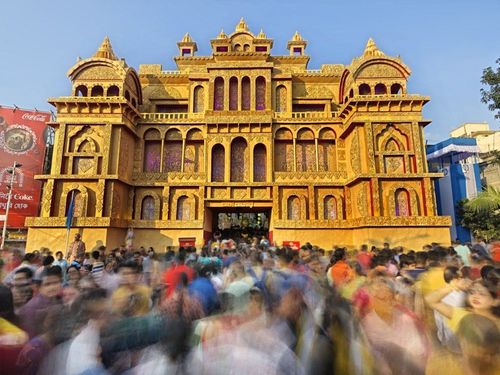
172, 277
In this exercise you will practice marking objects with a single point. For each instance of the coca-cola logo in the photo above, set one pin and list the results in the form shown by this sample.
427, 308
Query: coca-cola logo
33, 117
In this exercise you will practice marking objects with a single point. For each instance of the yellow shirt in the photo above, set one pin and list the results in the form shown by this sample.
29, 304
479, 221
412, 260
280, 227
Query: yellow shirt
131, 302
457, 315
432, 280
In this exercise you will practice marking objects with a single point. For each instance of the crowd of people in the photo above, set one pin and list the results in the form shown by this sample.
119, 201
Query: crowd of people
249, 307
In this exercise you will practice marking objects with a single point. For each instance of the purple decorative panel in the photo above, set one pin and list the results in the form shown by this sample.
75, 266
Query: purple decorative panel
260, 94
245, 94
402, 203
259, 163
238, 165
233, 94
306, 156
172, 156
152, 151
219, 94
148, 208
293, 208
218, 163
330, 208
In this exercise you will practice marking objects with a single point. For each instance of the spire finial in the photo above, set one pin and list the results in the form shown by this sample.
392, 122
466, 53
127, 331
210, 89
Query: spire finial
187, 38
105, 50
242, 25
222, 35
261, 35
371, 49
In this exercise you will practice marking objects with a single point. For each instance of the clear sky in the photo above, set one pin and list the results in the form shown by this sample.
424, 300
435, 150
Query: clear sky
446, 43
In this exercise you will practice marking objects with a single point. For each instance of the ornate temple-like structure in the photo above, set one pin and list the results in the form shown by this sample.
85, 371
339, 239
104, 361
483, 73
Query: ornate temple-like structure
240, 140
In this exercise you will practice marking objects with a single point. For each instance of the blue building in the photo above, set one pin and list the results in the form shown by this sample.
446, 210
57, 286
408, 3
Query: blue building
457, 159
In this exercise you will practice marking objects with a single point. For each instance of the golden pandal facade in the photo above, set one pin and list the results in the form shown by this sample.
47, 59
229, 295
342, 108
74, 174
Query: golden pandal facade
332, 156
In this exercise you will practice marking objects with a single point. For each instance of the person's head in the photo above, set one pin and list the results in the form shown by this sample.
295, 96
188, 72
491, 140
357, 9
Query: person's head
96, 254
339, 254
95, 306
59, 255
364, 248
51, 282
128, 272
386, 245
48, 260
451, 273
151, 252
73, 276
479, 339
78, 237
382, 289
181, 257
22, 289
483, 296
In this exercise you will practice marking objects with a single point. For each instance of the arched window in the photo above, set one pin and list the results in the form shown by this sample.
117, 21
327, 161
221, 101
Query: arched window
260, 93
330, 208
219, 94
113, 91
402, 198
293, 208
152, 151
281, 99
380, 89
237, 47
218, 163
193, 154
245, 94
97, 91
283, 150
326, 150
238, 160
259, 163
364, 89
148, 208
127, 95
306, 153
233, 94
183, 209
199, 99
172, 159
78, 203
81, 91
246, 47
396, 89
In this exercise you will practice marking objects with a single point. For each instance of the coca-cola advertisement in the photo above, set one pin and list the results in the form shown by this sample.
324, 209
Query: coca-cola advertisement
22, 141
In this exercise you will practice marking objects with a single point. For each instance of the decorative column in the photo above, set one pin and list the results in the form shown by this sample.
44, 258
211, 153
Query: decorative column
294, 155
316, 149
183, 152
59, 141
162, 152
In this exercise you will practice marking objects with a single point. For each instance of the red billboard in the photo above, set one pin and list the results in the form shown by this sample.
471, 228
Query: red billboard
22, 140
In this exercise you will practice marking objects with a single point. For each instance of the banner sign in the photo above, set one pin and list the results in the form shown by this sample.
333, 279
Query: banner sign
22, 140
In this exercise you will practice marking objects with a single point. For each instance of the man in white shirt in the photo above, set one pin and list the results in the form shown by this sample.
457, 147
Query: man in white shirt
463, 252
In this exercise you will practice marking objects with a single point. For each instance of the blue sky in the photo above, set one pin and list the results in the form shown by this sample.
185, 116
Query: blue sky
446, 43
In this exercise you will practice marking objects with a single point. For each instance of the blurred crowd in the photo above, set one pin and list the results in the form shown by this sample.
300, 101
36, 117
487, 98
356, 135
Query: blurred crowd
247, 307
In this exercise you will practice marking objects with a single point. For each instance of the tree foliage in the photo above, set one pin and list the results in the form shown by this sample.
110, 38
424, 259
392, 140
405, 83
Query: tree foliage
491, 95
482, 223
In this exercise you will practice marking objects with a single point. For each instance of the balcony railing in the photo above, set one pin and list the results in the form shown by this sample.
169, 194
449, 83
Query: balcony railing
161, 117
304, 115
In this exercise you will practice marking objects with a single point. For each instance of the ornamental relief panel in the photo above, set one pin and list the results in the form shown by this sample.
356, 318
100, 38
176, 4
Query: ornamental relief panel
80, 204
380, 71
155, 211
312, 91
355, 153
48, 189
391, 199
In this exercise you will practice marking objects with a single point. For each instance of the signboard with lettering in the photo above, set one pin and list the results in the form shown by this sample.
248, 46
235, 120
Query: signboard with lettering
22, 140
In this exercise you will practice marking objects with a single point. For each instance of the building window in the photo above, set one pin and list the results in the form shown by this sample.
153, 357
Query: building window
173, 151
364, 89
148, 208
233, 94
293, 208
283, 150
281, 99
219, 94
245, 94
183, 209
396, 89
238, 160
380, 89
113, 91
81, 91
199, 99
97, 91
260, 94
218, 163
305, 149
402, 197
152, 151
259, 163
330, 208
